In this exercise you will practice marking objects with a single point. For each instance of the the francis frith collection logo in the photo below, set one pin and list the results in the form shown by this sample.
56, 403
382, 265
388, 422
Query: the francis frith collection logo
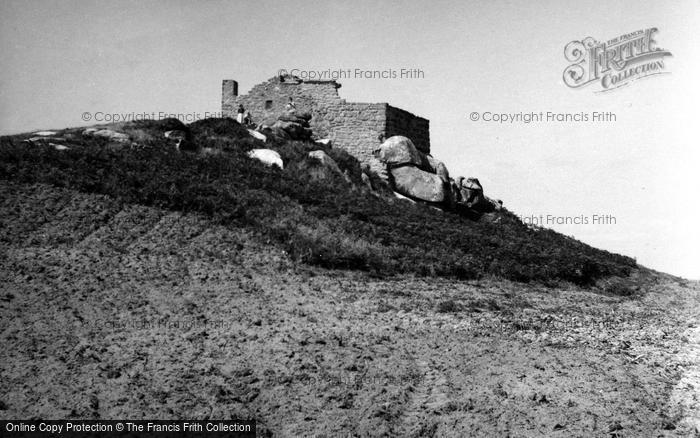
614, 63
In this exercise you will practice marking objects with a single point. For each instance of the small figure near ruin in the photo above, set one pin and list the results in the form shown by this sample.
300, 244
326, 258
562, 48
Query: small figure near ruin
247, 118
239, 113
290, 107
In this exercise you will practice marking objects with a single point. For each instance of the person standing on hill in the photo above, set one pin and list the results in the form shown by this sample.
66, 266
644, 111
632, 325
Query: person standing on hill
240, 112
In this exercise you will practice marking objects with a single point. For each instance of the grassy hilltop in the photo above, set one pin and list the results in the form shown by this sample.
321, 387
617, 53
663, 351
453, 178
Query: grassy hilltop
331, 223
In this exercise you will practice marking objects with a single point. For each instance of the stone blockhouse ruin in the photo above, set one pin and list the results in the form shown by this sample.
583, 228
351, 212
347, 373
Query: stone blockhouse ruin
359, 128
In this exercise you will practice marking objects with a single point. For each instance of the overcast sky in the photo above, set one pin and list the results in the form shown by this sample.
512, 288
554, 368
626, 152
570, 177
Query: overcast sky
63, 58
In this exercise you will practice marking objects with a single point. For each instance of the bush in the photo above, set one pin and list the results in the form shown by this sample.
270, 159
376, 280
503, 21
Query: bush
169, 124
218, 127
347, 163
294, 151
621, 287
447, 306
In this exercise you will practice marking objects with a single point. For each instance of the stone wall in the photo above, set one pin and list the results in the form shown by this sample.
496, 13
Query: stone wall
400, 122
229, 91
356, 127
359, 128
268, 100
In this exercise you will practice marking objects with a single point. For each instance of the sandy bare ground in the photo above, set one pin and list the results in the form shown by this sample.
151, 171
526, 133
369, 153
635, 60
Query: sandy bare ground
114, 311
685, 398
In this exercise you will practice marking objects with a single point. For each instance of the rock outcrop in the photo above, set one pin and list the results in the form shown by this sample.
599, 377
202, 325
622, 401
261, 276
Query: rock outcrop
418, 184
118, 137
289, 126
320, 166
470, 196
326, 160
422, 177
43, 138
293, 126
410, 170
437, 167
399, 151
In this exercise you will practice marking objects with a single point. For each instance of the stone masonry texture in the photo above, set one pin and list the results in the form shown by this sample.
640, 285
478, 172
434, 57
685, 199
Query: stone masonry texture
359, 128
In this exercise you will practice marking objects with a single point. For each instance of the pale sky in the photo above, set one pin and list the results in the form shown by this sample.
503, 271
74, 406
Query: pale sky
63, 58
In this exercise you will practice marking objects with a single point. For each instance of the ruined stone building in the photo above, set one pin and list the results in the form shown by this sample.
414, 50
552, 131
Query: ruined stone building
359, 128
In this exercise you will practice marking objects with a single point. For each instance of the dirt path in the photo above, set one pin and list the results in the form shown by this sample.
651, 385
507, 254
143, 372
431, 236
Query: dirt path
427, 398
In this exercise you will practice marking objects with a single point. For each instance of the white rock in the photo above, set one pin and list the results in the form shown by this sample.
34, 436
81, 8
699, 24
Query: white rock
267, 156
325, 160
257, 135
42, 140
45, 133
327, 169
59, 147
176, 134
400, 196
398, 151
412, 181
112, 135
367, 181
437, 167
324, 141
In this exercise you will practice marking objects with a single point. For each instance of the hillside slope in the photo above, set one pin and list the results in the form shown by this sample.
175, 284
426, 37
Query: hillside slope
334, 222
110, 309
